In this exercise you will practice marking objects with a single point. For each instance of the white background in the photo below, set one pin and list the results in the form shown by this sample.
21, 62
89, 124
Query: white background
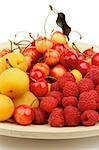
29, 15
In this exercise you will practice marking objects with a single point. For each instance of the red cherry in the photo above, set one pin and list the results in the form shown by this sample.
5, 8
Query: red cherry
36, 74
39, 88
58, 71
69, 60
51, 57
89, 52
24, 115
31, 51
80, 56
43, 67
60, 48
95, 59
83, 67
4, 52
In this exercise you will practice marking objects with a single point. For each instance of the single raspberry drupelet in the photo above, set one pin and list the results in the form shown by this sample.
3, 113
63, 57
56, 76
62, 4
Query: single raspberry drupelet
89, 118
97, 88
40, 116
70, 89
63, 79
72, 116
55, 86
56, 94
93, 74
56, 118
71, 100
85, 85
48, 103
87, 101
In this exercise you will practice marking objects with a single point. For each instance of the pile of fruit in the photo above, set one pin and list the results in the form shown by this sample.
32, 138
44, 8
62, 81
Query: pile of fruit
49, 81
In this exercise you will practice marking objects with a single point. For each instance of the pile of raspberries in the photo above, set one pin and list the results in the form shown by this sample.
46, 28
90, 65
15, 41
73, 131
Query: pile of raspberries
69, 103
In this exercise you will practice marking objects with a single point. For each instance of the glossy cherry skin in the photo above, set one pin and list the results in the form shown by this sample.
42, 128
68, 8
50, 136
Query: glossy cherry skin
43, 67
51, 57
42, 44
88, 52
36, 74
60, 48
24, 115
39, 88
4, 52
29, 61
81, 56
57, 71
69, 60
83, 67
95, 59
31, 51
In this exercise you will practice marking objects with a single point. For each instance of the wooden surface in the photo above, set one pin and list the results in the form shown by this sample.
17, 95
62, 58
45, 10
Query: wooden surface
45, 131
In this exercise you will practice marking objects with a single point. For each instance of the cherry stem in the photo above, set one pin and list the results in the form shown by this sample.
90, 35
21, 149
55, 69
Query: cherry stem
17, 46
53, 9
46, 22
33, 79
7, 61
74, 46
29, 33
11, 45
78, 33
32, 102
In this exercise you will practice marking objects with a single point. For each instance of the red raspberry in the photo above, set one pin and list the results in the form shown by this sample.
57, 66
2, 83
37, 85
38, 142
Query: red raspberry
85, 85
57, 95
71, 100
72, 116
63, 79
48, 103
55, 86
40, 116
87, 101
93, 74
70, 89
89, 118
56, 118
97, 89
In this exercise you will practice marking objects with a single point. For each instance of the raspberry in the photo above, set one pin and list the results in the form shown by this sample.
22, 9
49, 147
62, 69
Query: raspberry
72, 116
63, 79
85, 85
89, 118
70, 89
55, 86
87, 101
93, 74
40, 116
71, 100
97, 88
57, 95
48, 103
56, 118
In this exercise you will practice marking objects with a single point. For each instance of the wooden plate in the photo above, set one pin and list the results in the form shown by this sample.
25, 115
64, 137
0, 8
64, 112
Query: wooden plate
45, 131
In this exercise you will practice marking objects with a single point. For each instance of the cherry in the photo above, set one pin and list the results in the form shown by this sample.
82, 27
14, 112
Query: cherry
29, 61
42, 44
43, 67
51, 57
57, 71
89, 52
95, 59
36, 74
31, 51
24, 115
4, 52
60, 47
83, 67
69, 60
58, 37
81, 56
39, 88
